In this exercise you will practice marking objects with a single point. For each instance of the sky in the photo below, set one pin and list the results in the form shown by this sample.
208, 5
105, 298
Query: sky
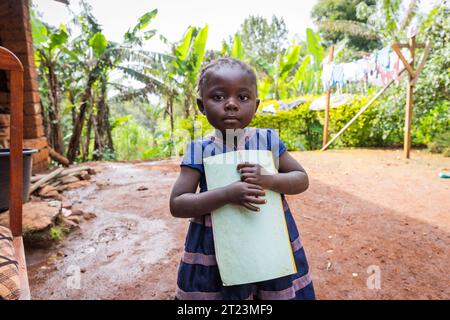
175, 16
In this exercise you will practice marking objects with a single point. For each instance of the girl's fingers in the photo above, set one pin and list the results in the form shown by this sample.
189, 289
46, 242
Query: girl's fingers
254, 200
250, 207
245, 165
254, 186
251, 180
247, 175
257, 193
246, 170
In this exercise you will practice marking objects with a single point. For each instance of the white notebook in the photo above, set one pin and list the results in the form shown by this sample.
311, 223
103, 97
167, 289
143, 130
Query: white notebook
250, 246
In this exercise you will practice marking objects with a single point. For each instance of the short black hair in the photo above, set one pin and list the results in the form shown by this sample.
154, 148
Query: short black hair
221, 62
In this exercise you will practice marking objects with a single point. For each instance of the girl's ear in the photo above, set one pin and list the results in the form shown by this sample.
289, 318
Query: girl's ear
257, 104
200, 105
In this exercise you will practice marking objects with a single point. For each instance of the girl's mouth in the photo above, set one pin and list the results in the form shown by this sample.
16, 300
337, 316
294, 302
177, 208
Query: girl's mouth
230, 118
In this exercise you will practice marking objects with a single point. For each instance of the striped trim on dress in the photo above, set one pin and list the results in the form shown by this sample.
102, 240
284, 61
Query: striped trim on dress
288, 293
183, 295
285, 294
203, 220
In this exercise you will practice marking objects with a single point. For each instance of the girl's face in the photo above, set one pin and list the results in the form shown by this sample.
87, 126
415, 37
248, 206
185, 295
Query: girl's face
229, 98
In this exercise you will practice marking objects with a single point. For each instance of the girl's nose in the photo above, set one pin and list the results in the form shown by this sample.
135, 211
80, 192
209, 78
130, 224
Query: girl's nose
231, 104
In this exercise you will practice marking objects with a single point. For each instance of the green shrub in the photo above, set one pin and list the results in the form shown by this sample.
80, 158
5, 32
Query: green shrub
434, 124
131, 140
440, 144
299, 128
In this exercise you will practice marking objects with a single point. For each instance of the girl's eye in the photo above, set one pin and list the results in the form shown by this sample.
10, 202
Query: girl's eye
218, 97
243, 97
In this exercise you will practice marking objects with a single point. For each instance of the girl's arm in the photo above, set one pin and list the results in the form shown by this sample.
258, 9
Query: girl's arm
185, 203
291, 179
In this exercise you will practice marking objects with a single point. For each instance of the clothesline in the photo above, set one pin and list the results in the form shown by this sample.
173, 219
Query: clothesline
378, 69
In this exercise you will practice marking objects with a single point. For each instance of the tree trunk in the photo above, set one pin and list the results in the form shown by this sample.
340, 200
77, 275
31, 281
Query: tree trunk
45, 120
110, 142
88, 138
55, 133
103, 137
73, 110
187, 112
74, 143
171, 117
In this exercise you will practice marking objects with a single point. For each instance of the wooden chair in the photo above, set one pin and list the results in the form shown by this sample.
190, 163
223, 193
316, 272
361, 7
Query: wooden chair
10, 62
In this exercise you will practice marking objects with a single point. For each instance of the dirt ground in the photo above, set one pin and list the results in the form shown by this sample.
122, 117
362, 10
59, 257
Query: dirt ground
365, 211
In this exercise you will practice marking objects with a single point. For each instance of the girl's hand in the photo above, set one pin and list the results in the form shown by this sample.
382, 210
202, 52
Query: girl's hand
243, 193
255, 174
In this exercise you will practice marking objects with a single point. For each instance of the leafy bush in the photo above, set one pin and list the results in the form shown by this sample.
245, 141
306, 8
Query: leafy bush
434, 124
299, 128
131, 140
441, 144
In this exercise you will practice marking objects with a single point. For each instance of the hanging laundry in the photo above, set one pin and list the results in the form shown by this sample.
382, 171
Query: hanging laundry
395, 66
362, 69
350, 71
383, 62
384, 57
327, 72
378, 69
337, 76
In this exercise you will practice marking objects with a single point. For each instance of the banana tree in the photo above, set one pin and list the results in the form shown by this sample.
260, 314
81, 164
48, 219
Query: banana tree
275, 84
102, 57
237, 51
50, 44
172, 76
307, 77
189, 54
155, 71
89, 48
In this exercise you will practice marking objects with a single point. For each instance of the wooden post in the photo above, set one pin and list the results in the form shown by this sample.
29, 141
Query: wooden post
409, 101
412, 78
9, 62
327, 105
16, 156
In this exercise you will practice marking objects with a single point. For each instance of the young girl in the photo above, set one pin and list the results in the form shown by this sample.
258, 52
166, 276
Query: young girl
228, 97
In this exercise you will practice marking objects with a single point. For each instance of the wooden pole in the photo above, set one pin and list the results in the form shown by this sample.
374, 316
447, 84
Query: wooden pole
327, 105
409, 101
9, 62
16, 157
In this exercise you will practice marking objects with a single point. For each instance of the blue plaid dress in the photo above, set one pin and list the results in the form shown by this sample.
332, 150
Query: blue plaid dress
198, 273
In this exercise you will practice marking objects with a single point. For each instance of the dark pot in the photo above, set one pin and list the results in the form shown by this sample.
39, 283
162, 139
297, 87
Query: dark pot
4, 176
